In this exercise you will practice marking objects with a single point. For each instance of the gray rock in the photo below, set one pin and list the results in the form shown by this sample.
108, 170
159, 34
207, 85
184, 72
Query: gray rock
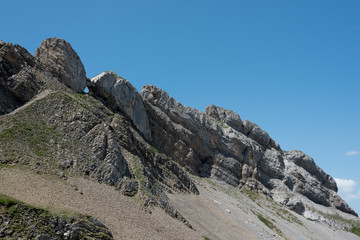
62, 61
2, 43
272, 164
307, 163
227, 116
128, 187
107, 162
19, 77
119, 94
254, 132
215, 145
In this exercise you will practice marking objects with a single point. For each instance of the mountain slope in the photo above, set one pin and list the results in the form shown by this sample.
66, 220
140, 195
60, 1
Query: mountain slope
156, 152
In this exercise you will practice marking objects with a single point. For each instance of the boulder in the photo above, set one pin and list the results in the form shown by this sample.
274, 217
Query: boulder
62, 61
128, 187
120, 95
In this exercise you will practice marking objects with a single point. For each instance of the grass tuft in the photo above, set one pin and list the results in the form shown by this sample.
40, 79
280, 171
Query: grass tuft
7, 201
355, 230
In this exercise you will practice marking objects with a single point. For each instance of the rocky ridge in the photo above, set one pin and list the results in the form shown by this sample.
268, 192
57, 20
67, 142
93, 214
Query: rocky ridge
147, 145
120, 95
219, 145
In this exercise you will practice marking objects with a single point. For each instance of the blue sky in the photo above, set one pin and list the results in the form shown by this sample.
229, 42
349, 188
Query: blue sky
292, 67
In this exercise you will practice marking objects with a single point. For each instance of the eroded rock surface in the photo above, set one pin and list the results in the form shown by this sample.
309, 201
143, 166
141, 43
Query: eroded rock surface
143, 144
120, 95
20, 77
62, 61
222, 146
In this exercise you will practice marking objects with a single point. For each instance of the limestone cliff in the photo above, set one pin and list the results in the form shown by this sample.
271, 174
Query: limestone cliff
147, 145
219, 145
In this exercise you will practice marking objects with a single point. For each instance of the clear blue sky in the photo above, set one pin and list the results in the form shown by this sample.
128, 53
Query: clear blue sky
292, 67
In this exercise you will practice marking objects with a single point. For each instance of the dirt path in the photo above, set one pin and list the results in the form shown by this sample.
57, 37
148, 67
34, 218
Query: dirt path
39, 96
124, 217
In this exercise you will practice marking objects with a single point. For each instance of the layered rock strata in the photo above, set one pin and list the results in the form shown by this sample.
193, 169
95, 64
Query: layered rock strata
220, 145
62, 61
141, 143
120, 95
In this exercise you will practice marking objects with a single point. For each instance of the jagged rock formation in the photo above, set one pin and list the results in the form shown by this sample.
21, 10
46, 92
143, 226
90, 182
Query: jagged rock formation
145, 145
80, 135
63, 62
240, 153
20, 77
246, 127
120, 95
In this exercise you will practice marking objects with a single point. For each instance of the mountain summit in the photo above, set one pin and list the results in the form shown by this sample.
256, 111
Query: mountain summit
120, 156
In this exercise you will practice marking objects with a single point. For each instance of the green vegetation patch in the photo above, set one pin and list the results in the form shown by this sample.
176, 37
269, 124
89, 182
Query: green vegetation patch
23, 218
7, 201
269, 223
36, 136
251, 194
23, 221
353, 226
355, 230
286, 215
153, 149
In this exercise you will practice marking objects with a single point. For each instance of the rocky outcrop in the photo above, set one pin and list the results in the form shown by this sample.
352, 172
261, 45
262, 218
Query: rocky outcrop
246, 127
62, 61
20, 221
220, 145
143, 144
227, 116
307, 163
120, 95
20, 77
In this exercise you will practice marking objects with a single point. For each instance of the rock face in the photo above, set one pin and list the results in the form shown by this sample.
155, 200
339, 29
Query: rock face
83, 136
220, 145
143, 144
120, 95
246, 127
62, 61
227, 116
20, 78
